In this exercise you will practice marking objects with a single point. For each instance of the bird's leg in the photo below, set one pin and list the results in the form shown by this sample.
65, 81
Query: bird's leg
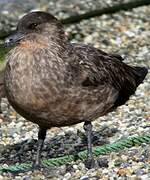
41, 138
90, 163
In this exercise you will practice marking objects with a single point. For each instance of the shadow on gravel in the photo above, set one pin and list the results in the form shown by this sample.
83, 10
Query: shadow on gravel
61, 145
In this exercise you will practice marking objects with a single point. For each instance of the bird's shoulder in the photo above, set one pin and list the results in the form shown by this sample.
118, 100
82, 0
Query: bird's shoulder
90, 66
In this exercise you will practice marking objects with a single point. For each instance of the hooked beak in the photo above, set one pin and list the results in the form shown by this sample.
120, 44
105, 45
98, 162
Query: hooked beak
13, 39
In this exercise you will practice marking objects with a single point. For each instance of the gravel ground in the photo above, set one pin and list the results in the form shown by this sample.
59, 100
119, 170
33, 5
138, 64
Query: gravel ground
11, 11
126, 33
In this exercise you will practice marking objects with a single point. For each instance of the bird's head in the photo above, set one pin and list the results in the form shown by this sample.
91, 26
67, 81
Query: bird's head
37, 25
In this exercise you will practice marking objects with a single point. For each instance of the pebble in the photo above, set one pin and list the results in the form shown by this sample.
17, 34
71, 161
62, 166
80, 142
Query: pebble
84, 178
67, 176
145, 177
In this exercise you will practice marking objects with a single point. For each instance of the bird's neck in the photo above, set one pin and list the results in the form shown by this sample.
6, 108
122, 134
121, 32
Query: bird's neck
46, 54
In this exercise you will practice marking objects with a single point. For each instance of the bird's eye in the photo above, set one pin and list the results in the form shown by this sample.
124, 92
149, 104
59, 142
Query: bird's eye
32, 26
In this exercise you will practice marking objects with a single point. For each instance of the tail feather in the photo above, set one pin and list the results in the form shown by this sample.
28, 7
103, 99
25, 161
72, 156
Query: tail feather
140, 73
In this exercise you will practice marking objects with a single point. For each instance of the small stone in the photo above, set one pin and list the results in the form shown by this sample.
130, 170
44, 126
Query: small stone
145, 177
26, 178
19, 124
67, 176
1, 177
130, 34
124, 171
105, 171
124, 158
1, 120
84, 178
88, 39
75, 166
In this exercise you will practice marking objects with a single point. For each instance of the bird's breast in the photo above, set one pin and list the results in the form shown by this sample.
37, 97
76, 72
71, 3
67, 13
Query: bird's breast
30, 79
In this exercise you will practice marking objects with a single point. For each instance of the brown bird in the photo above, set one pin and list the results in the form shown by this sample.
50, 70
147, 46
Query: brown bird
55, 83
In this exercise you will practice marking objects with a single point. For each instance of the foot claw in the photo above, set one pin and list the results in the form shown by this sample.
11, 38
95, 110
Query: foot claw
37, 166
90, 163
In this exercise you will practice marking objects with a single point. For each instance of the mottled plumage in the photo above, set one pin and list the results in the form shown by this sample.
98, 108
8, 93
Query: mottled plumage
53, 82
